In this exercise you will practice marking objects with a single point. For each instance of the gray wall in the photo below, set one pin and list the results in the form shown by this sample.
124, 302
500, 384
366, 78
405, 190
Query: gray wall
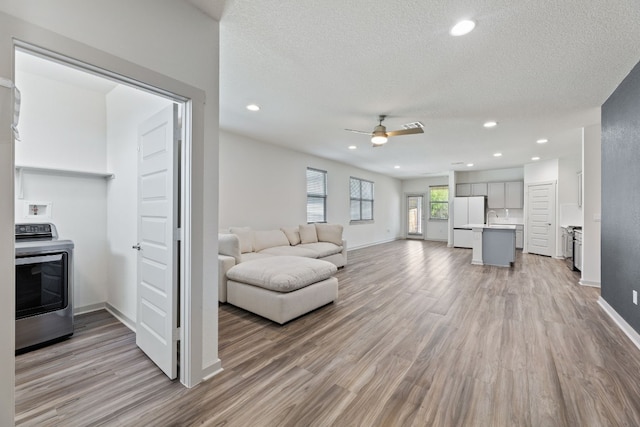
621, 198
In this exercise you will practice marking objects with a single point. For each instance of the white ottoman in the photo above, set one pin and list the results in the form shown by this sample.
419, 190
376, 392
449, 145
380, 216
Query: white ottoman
282, 288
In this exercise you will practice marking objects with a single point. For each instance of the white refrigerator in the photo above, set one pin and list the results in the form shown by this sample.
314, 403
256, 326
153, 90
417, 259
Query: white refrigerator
467, 210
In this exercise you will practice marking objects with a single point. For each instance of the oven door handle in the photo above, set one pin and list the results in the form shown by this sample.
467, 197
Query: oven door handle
38, 259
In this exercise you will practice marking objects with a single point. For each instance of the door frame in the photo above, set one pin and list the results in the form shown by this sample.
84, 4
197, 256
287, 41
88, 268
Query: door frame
91, 60
423, 220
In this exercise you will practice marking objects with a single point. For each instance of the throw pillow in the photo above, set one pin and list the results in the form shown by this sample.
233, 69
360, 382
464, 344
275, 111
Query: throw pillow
245, 235
269, 239
308, 233
292, 234
331, 233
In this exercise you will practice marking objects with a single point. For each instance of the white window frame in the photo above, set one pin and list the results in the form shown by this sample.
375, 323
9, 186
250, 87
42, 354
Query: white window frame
317, 196
432, 218
360, 200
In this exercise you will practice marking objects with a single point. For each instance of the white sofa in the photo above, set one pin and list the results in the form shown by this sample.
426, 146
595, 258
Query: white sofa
241, 244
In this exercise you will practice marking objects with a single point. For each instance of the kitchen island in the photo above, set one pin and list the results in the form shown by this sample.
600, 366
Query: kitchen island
493, 244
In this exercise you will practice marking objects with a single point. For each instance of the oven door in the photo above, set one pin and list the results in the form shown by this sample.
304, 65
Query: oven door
41, 283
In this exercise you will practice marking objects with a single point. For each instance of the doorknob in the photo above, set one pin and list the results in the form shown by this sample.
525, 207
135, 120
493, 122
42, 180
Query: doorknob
136, 246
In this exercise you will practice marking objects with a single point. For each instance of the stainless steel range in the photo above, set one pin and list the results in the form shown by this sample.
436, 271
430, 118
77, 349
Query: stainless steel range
44, 285
569, 246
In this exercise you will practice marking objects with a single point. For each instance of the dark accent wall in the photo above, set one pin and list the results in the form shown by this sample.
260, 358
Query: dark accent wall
621, 198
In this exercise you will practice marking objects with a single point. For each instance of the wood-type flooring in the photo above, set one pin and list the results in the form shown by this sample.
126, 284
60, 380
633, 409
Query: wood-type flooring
418, 337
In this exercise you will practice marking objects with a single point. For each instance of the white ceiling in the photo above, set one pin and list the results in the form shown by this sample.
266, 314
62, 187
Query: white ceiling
541, 69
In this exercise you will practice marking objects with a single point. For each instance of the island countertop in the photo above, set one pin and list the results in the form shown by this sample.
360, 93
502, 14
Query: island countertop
492, 226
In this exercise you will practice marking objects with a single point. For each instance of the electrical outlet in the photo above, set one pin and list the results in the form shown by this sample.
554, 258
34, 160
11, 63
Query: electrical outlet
635, 297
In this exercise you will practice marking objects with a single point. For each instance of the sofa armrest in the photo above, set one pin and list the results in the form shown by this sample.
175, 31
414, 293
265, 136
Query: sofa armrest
224, 264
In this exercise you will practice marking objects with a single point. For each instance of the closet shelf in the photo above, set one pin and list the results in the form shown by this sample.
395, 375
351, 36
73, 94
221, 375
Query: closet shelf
69, 172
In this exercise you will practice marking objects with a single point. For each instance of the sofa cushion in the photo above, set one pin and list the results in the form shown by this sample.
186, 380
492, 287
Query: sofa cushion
229, 245
245, 235
322, 249
269, 239
308, 233
250, 256
293, 234
291, 250
331, 233
283, 273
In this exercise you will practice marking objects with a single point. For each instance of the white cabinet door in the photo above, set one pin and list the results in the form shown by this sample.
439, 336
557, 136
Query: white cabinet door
479, 189
495, 198
463, 238
463, 190
514, 195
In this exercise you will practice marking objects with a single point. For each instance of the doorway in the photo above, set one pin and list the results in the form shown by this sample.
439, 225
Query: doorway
415, 216
93, 193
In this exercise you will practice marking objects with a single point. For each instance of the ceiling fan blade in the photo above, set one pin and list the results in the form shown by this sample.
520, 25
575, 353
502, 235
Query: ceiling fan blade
358, 131
405, 131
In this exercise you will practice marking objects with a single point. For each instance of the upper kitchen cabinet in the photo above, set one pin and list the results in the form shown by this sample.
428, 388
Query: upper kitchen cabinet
463, 190
505, 195
495, 193
514, 195
475, 189
479, 189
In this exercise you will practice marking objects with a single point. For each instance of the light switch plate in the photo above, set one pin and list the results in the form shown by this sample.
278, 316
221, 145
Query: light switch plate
635, 297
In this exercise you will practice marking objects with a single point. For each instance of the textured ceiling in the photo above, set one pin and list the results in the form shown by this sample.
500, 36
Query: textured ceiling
541, 69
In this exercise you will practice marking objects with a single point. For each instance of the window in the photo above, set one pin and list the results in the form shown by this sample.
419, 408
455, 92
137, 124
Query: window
361, 199
316, 195
439, 202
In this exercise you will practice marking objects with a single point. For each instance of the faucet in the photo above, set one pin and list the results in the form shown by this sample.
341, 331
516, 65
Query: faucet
489, 213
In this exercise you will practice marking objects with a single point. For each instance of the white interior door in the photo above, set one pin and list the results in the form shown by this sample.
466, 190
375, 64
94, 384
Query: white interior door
415, 216
157, 287
541, 213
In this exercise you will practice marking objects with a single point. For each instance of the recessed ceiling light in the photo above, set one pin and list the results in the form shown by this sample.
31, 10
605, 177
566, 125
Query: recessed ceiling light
490, 124
535, 158
462, 27
253, 107
469, 165
542, 141
396, 167
352, 147
497, 154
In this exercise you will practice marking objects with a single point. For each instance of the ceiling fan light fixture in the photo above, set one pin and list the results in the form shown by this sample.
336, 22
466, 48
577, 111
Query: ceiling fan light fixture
379, 138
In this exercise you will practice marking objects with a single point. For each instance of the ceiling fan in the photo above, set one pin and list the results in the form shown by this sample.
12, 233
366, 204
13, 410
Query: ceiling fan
380, 135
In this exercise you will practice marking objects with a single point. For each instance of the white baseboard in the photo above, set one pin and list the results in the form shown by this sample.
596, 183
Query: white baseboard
111, 309
131, 324
212, 370
375, 243
626, 328
589, 283
88, 308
